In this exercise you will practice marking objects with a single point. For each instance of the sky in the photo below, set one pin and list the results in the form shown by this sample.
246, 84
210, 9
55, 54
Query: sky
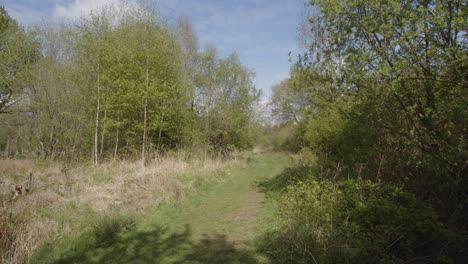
261, 32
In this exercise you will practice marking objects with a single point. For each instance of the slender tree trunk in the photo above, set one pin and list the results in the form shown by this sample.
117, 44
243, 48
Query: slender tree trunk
7, 149
160, 132
72, 150
145, 115
16, 146
103, 131
160, 125
42, 150
116, 145
127, 144
51, 143
96, 130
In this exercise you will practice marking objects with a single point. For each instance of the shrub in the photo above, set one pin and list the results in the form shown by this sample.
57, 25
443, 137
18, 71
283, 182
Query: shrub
354, 221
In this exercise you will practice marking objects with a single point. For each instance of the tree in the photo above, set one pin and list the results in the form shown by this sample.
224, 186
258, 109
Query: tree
293, 99
225, 99
18, 51
120, 82
395, 83
144, 98
92, 48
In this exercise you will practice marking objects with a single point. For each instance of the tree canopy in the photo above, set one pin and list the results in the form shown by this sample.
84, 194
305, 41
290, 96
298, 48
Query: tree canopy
122, 83
382, 96
18, 51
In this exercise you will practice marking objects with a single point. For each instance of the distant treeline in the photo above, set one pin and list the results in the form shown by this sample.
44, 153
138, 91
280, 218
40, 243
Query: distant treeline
119, 82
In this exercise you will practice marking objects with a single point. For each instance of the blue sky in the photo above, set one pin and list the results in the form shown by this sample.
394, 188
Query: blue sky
261, 32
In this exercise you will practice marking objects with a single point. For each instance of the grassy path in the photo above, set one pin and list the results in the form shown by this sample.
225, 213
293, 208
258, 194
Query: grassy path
216, 224
229, 208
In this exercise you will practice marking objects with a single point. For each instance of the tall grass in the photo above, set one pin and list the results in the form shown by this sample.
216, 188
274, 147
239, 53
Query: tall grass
67, 198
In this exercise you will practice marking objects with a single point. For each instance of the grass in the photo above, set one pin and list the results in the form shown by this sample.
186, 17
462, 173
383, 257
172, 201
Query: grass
152, 246
227, 207
66, 202
216, 223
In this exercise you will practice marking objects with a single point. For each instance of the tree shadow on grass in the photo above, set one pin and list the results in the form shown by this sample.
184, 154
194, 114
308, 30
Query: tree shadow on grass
287, 177
157, 246
217, 250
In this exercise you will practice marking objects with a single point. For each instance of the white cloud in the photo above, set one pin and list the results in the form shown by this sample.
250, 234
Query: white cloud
78, 8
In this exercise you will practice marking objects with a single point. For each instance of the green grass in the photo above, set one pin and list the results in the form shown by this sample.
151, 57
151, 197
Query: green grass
215, 224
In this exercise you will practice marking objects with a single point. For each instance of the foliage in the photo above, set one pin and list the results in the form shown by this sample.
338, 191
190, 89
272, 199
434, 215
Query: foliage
385, 85
18, 51
122, 83
398, 82
224, 100
354, 221
279, 138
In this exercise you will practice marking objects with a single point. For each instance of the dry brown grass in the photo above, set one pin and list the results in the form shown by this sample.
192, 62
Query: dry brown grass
130, 185
20, 234
10, 167
62, 197
11, 171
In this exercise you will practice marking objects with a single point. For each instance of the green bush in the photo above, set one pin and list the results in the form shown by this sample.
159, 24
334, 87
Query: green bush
354, 221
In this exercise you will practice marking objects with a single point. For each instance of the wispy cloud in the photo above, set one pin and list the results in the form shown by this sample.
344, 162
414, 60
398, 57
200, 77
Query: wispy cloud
79, 8
30, 12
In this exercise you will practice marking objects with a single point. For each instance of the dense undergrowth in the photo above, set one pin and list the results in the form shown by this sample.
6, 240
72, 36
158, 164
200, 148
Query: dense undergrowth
379, 100
352, 221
